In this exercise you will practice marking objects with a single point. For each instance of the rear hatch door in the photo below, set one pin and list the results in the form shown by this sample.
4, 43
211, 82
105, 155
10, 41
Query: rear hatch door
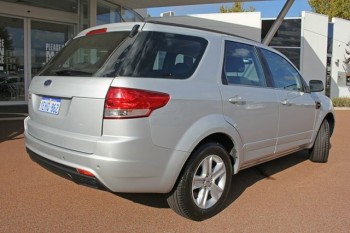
69, 112
66, 99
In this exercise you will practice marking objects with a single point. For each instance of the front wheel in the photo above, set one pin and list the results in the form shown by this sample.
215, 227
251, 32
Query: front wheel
320, 151
204, 183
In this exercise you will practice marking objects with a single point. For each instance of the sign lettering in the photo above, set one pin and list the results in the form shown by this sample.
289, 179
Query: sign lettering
52, 49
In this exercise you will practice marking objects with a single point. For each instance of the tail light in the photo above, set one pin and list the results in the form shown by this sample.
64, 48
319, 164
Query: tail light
124, 103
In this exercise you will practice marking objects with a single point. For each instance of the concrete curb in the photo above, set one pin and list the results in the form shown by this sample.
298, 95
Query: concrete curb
341, 108
12, 119
4, 116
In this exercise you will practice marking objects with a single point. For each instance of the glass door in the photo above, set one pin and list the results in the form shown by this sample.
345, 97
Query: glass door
12, 86
25, 47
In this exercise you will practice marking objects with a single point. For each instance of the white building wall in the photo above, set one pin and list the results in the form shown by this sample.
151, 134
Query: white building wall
341, 36
314, 37
247, 24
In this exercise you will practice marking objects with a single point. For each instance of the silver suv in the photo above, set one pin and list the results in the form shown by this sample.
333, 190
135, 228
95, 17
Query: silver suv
159, 108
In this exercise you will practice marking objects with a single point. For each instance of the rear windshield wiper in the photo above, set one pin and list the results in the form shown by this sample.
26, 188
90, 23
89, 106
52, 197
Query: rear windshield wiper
70, 72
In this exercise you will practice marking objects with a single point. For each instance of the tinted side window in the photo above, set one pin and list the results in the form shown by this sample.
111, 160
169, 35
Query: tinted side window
163, 55
284, 75
242, 66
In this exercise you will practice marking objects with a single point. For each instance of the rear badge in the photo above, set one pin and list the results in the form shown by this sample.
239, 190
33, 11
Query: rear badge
47, 82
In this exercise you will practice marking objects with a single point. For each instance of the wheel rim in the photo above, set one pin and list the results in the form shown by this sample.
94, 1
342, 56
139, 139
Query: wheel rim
209, 182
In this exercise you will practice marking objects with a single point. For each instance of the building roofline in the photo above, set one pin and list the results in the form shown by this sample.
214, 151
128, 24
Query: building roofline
137, 4
198, 28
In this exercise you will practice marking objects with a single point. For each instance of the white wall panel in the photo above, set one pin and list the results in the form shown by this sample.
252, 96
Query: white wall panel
341, 37
314, 33
246, 25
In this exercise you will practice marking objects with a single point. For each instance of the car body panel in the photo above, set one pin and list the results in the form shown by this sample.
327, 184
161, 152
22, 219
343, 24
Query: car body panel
79, 122
326, 110
259, 134
297, 109
147, 154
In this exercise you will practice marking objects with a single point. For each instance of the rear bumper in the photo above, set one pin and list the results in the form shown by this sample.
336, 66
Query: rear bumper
128, 165
67, 172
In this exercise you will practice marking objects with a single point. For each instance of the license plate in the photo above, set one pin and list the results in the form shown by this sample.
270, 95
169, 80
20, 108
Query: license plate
50, 105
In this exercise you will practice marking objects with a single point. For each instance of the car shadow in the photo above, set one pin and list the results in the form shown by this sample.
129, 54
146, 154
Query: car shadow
248, 177
240, 182
11, 128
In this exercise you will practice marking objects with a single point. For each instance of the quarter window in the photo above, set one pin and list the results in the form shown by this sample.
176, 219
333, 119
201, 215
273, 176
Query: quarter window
242, 66
284, 75
163, 55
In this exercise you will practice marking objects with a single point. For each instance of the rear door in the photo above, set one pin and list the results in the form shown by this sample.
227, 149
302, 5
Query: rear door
248, 103
297, 107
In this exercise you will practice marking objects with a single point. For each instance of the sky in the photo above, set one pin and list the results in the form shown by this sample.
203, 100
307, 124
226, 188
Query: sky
268, 9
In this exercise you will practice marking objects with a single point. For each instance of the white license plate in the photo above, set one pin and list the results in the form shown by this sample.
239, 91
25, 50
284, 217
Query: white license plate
50, 105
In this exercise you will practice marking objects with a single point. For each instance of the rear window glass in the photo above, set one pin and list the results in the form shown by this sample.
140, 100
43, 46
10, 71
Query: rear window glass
148, 55
163, 55
85, 55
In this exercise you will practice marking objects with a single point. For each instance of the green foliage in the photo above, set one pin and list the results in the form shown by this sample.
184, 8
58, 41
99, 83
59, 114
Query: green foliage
341, 102
332, 8
236, 7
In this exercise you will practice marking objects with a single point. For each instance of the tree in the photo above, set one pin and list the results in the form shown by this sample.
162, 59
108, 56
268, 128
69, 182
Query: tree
332, 8
5, 35
347, 58
236, 7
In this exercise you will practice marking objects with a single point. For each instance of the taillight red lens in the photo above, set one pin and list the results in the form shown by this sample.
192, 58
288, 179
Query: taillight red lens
124, 103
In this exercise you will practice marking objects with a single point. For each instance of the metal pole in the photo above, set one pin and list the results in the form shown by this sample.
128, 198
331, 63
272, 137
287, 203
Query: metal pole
278, 22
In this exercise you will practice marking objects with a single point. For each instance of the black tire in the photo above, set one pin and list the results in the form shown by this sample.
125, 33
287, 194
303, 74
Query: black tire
320, 151
212, 186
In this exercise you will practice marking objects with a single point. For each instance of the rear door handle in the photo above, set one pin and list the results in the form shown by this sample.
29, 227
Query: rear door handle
237, 100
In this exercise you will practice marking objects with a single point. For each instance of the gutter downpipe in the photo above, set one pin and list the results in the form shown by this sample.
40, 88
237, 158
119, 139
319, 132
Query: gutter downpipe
278, 22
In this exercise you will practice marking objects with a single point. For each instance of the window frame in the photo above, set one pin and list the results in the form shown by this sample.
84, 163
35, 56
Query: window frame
259, 66
304, 86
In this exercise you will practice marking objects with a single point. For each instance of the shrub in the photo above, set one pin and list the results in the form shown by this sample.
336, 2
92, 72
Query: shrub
341, 102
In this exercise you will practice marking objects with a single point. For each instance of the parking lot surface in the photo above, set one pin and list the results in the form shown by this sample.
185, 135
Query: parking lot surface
290, 194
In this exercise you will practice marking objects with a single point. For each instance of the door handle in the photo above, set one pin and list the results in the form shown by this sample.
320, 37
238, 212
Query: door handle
237, 100
286, 102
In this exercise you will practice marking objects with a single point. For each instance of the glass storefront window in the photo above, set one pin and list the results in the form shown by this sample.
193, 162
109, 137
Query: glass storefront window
12, 86
288, 34
287, 39
21, 60
61, 5
107, 13
130, 16
46, 40
111, 13
84, 14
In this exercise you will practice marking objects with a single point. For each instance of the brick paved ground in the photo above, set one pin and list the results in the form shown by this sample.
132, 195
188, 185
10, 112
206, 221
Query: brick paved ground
290, 194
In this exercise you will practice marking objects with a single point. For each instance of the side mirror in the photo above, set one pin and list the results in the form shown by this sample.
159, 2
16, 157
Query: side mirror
316, 85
